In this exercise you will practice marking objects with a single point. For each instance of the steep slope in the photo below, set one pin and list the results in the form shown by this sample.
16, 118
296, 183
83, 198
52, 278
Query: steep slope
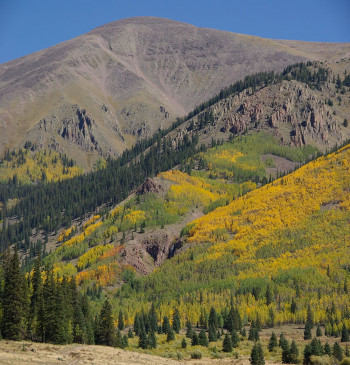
289, 237
122, 81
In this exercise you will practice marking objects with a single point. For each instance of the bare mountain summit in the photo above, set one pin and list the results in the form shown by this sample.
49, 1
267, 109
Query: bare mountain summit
98, 93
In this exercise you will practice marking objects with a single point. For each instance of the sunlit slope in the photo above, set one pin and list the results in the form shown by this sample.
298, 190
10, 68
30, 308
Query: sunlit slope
287, 240
256, 220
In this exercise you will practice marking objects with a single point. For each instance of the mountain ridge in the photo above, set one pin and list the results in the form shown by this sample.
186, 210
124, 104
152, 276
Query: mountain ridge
145, 71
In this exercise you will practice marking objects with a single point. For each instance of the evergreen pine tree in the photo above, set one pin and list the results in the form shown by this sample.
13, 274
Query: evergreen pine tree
153, 319
13, 321
195, 340
344, 334
121, 324
307, 354
143, 340
170, 336
130, 333
307, 331
338, 351
283, 343
183, 343
286, 354
235, 339
293, 306
294, 353
119, 339
227, 343
273, 343
189, 330
152, 340
318, 331
213, 325
106, 331
253, 332
327, 350
203, 339
125, 341
257, 355
176, 321
165, 324
269, 295
137, 326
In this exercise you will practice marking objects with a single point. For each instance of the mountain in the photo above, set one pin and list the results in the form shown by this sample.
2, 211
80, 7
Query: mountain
97, 94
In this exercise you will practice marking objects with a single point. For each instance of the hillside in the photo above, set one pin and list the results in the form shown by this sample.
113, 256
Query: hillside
97, 94
289, 236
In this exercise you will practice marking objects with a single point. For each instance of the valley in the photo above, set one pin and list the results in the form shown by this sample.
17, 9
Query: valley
169, 222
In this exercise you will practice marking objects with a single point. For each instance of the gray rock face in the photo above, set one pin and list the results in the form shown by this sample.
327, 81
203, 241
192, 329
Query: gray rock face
131, 77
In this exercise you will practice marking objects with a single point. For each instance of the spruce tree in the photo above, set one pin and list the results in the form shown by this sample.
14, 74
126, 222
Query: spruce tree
176, 321
273, 343
137, 326
213, 325
347, 351
286, 353
105, 331
189, 330
327, 350
143, 340
235, 339
283, 343
170, 336
203, 339
183, 343
307, 331
227, 343
318, 331
13, 321
153, 319
257, 355
152, 340
338, 351
344, 334
195, 340
165, 324
307, 354
269, 295
119, 339
294, 353
121, 324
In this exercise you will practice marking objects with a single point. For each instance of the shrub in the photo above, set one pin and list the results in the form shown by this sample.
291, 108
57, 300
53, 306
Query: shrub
196, 355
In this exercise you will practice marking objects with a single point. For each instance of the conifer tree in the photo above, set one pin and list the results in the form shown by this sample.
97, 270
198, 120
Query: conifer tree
183, 343
143, 340
203, 339
235, 339
165, 324
12, 325
227, 343
137, 327
253, 332
176, 321
153, 319
189, 330
213, 325
338, 351
327, 350
347, 351
269, 295
195, 340
307, 331
105, 331
170, 336
121, 324
344, 334
273, 343
283, 343
318, 331
257, 355
286, 353
294, 353
152, 340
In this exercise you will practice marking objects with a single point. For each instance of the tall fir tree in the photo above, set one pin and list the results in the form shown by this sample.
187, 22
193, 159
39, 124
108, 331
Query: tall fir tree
105, 332
13, 321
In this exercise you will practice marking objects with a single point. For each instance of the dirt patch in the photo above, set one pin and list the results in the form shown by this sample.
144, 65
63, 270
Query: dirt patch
281, 165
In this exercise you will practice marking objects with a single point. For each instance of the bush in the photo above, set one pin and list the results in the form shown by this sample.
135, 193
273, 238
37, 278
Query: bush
320, 360
196, 355
345, 361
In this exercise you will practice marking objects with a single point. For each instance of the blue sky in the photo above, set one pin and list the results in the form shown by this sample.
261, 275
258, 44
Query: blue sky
30, 25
